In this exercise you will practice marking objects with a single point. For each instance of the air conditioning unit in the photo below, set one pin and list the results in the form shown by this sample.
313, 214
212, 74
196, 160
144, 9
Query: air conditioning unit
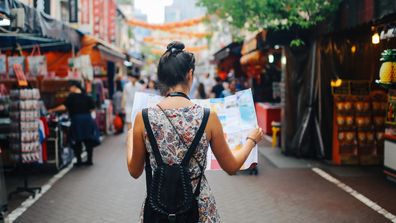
18, 18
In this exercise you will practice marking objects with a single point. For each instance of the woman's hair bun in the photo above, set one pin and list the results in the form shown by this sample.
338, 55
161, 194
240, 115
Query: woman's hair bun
176, 45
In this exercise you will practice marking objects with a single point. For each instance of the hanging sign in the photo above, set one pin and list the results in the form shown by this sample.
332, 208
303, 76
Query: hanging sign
22, 82
73, 11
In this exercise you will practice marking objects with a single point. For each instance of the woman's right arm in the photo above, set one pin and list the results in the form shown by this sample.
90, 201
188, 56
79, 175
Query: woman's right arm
229, 161
59, 108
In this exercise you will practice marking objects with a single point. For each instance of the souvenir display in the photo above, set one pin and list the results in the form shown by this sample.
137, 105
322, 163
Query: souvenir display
24, 132
359, 123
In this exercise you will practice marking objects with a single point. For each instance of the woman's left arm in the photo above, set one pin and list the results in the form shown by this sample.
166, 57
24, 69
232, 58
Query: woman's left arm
136, 149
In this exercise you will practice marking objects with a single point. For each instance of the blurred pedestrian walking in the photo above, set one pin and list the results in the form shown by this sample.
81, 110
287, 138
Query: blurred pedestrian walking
129, 95
208, 83
118, 111
152, 87
218, 88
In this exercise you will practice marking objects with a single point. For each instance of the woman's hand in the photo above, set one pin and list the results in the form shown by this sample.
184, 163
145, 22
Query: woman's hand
257, 135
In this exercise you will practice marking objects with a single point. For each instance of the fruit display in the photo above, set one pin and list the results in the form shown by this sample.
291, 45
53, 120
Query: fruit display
359, 127
388, 68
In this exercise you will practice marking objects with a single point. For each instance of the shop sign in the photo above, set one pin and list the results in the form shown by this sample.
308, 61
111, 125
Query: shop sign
249, 46
73, 11
85, 12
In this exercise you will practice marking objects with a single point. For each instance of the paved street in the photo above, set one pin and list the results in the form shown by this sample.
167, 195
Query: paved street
106, 193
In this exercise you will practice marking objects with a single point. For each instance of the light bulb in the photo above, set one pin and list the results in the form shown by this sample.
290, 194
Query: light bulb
271, 58
375, 39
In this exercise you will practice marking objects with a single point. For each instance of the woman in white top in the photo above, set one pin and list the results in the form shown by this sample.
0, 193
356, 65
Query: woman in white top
129, 95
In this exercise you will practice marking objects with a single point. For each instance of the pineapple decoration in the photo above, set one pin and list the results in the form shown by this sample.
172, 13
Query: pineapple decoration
388, 67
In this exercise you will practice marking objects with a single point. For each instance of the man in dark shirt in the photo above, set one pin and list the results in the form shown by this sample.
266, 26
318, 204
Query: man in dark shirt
218, 88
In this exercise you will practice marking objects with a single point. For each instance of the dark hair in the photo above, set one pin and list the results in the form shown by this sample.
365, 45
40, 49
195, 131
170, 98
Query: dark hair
118, 85
133, 74
201, 90
174, 65
76, 84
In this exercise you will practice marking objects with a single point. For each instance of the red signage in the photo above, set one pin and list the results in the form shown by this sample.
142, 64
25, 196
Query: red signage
85, 12
104, 19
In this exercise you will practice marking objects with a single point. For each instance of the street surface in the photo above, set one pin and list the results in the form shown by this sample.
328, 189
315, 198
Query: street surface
105, 192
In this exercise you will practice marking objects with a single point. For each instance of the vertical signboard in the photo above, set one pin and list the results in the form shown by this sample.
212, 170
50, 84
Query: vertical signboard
85, 12
73, 11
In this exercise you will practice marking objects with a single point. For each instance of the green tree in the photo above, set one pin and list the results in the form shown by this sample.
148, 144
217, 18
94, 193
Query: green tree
255, 15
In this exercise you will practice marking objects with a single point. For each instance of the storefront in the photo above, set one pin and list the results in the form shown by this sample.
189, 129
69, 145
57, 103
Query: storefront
47, 53
262, 65
227, 61
104, 59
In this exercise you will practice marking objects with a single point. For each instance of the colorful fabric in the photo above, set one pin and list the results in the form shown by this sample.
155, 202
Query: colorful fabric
187, 121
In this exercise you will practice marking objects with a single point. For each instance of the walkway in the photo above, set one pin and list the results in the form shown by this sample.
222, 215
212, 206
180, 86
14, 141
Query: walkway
106, 193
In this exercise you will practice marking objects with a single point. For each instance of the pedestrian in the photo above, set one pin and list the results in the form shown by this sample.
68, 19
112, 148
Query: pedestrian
208, 83
118, 111
200, 94
83, 129
152, 87
167, 137
218, 88
230, 88
130, 89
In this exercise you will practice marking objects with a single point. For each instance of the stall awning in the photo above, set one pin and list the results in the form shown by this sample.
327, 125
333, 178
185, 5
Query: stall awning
254, 43
100, 51
232, 49
38, 24
110, 54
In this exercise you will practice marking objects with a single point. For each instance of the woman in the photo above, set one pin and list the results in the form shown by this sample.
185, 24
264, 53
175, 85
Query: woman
151, 87
128, 97
83, 128
118, 111
175, 76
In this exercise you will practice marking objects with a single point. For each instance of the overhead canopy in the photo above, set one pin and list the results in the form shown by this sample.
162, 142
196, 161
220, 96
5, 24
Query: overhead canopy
38, 25
232, 49
100, 51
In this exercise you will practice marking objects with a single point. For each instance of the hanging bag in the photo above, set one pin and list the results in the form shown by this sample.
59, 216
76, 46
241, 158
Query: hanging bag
37, 63
3, 64
170, 196
15, 60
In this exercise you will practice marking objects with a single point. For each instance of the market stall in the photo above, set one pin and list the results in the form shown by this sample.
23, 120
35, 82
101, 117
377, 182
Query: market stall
227, 60
104, 58
261, 64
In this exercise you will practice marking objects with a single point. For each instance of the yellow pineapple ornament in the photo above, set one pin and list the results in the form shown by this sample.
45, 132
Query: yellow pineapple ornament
388, 68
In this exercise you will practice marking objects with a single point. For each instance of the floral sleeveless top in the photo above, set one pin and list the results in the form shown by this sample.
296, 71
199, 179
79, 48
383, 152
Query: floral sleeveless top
187, 121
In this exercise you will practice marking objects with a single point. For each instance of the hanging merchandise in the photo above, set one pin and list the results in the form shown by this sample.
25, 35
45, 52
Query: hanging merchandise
24, 133
15, 60
3, 67
86, 68
37, 63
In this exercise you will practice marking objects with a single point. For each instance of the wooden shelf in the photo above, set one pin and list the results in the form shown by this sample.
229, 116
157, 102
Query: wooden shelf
386, 85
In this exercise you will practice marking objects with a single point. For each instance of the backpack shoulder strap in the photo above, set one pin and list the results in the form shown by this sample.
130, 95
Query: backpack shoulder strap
197, 138
153, 141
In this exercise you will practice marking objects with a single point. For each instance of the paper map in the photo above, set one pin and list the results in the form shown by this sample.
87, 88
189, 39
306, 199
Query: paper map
236, 113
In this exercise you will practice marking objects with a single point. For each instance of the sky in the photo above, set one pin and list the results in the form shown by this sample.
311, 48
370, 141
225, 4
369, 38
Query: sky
153, 8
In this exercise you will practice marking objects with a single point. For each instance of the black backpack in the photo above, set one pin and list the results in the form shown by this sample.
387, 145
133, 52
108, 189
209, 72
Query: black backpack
170, 197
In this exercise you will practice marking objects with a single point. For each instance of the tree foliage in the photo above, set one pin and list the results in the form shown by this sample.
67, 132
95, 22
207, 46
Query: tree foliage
276, 14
